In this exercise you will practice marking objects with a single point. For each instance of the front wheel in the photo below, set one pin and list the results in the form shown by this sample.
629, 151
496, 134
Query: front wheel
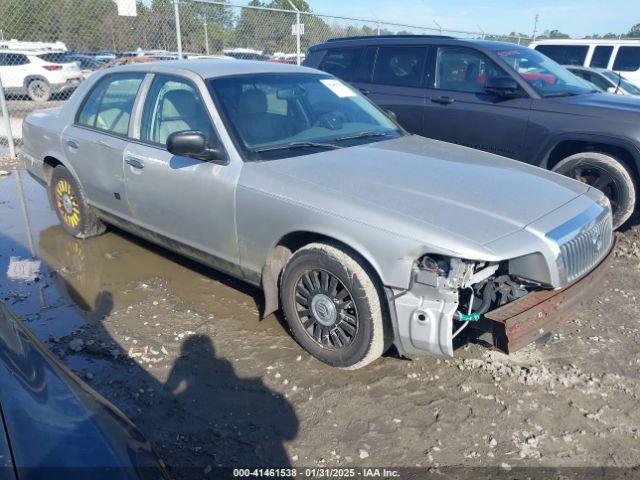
333, 306
609, 175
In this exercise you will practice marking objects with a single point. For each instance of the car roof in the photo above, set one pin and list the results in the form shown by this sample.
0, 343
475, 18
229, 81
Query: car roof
211, 68
33, 52
411, 40
587, 41
582, 67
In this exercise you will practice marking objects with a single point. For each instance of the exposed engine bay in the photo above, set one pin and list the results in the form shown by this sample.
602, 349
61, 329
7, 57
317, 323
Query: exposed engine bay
447, 294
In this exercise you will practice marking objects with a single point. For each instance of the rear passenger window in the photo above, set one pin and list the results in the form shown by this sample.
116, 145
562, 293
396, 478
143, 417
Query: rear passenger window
13, 59
601, 56
628, 59
565, 54
342, 62
108, 106
400, 66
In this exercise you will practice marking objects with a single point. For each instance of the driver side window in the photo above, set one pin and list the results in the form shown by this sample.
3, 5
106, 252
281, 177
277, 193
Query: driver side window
174, 105
464, 70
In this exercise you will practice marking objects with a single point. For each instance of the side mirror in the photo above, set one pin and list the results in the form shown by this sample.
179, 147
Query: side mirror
392, 115
191, 143
502, 87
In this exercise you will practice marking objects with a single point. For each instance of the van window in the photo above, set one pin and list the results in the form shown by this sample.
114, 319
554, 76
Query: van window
565, 54
628, 59
400, 66
342, 62
601, 56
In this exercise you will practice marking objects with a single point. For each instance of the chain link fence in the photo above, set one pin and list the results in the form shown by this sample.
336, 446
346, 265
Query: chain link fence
47, 47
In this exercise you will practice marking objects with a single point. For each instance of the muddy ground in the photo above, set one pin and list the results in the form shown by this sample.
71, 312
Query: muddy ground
180, 349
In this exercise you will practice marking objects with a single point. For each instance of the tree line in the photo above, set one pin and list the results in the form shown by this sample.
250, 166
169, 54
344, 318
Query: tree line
95, 25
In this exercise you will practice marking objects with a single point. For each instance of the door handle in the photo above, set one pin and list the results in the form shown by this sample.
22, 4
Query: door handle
364, 91
134, 162
443, 100
72, 144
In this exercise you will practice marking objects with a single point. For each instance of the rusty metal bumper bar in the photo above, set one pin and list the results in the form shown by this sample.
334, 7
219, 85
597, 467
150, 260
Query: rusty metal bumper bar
522, 321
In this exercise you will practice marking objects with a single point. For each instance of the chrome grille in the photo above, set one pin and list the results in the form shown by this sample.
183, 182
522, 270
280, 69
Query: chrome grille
584, 251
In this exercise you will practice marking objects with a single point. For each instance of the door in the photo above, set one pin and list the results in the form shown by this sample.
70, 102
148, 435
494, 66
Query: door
187, 201
94, 144
397, 84
458, 104
14, 68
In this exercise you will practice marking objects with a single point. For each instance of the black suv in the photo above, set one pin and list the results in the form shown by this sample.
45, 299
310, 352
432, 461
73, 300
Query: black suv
499, 97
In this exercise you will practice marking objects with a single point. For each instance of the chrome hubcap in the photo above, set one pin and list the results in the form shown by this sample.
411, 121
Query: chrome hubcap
324, 310
67, 204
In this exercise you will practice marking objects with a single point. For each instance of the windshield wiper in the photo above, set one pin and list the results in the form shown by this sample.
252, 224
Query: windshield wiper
362, 135
560, 94
297, 145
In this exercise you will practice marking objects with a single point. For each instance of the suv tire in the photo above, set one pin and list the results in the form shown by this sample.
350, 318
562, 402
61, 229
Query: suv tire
608, 174
39, 90
76, 216
333, 306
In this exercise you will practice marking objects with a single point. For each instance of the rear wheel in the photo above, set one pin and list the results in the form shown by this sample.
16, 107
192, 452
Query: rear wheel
68, 200
333, 307
609, 175
39, 90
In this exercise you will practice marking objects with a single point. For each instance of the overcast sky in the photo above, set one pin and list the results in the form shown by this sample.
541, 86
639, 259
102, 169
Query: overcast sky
575, 17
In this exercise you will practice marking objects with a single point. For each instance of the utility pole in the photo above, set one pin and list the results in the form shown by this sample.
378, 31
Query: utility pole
206, 35
298, 32
535, 27
176, 14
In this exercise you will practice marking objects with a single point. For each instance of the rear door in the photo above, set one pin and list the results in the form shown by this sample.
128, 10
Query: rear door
397, 83
94, 144
459, 107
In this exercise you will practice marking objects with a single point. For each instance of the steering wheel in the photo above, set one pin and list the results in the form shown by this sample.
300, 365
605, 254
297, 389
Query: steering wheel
332, 120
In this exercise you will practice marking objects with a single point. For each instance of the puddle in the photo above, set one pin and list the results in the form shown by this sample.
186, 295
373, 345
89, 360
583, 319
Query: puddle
79, 280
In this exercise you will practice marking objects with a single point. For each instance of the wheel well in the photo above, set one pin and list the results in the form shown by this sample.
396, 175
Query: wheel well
571, 147
49, 163
280, 254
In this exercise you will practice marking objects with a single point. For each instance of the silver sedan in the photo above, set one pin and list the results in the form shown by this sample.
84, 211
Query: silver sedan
286, 177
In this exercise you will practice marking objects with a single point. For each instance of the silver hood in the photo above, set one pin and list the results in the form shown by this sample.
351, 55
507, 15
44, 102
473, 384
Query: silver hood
423, 183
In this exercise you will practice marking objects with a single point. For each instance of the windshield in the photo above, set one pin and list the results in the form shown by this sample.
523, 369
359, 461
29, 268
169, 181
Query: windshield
547, 77
624, 83
273, 114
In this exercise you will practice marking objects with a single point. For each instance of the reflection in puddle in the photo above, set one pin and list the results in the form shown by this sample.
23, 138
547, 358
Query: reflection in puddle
88, 279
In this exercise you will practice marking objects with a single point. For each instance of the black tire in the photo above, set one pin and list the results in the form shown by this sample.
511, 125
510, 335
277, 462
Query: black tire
325, 271
68, 200
607, 173
39, 90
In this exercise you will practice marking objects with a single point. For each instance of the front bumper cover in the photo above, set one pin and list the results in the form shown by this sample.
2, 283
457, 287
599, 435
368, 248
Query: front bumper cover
522, 321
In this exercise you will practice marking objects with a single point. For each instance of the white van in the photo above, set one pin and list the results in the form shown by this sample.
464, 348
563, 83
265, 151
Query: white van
621, 56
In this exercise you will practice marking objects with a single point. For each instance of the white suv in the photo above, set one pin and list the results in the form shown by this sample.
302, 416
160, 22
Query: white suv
29, 73
621, 56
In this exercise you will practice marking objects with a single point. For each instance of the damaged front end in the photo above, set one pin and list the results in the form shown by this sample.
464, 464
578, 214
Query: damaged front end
447, 295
